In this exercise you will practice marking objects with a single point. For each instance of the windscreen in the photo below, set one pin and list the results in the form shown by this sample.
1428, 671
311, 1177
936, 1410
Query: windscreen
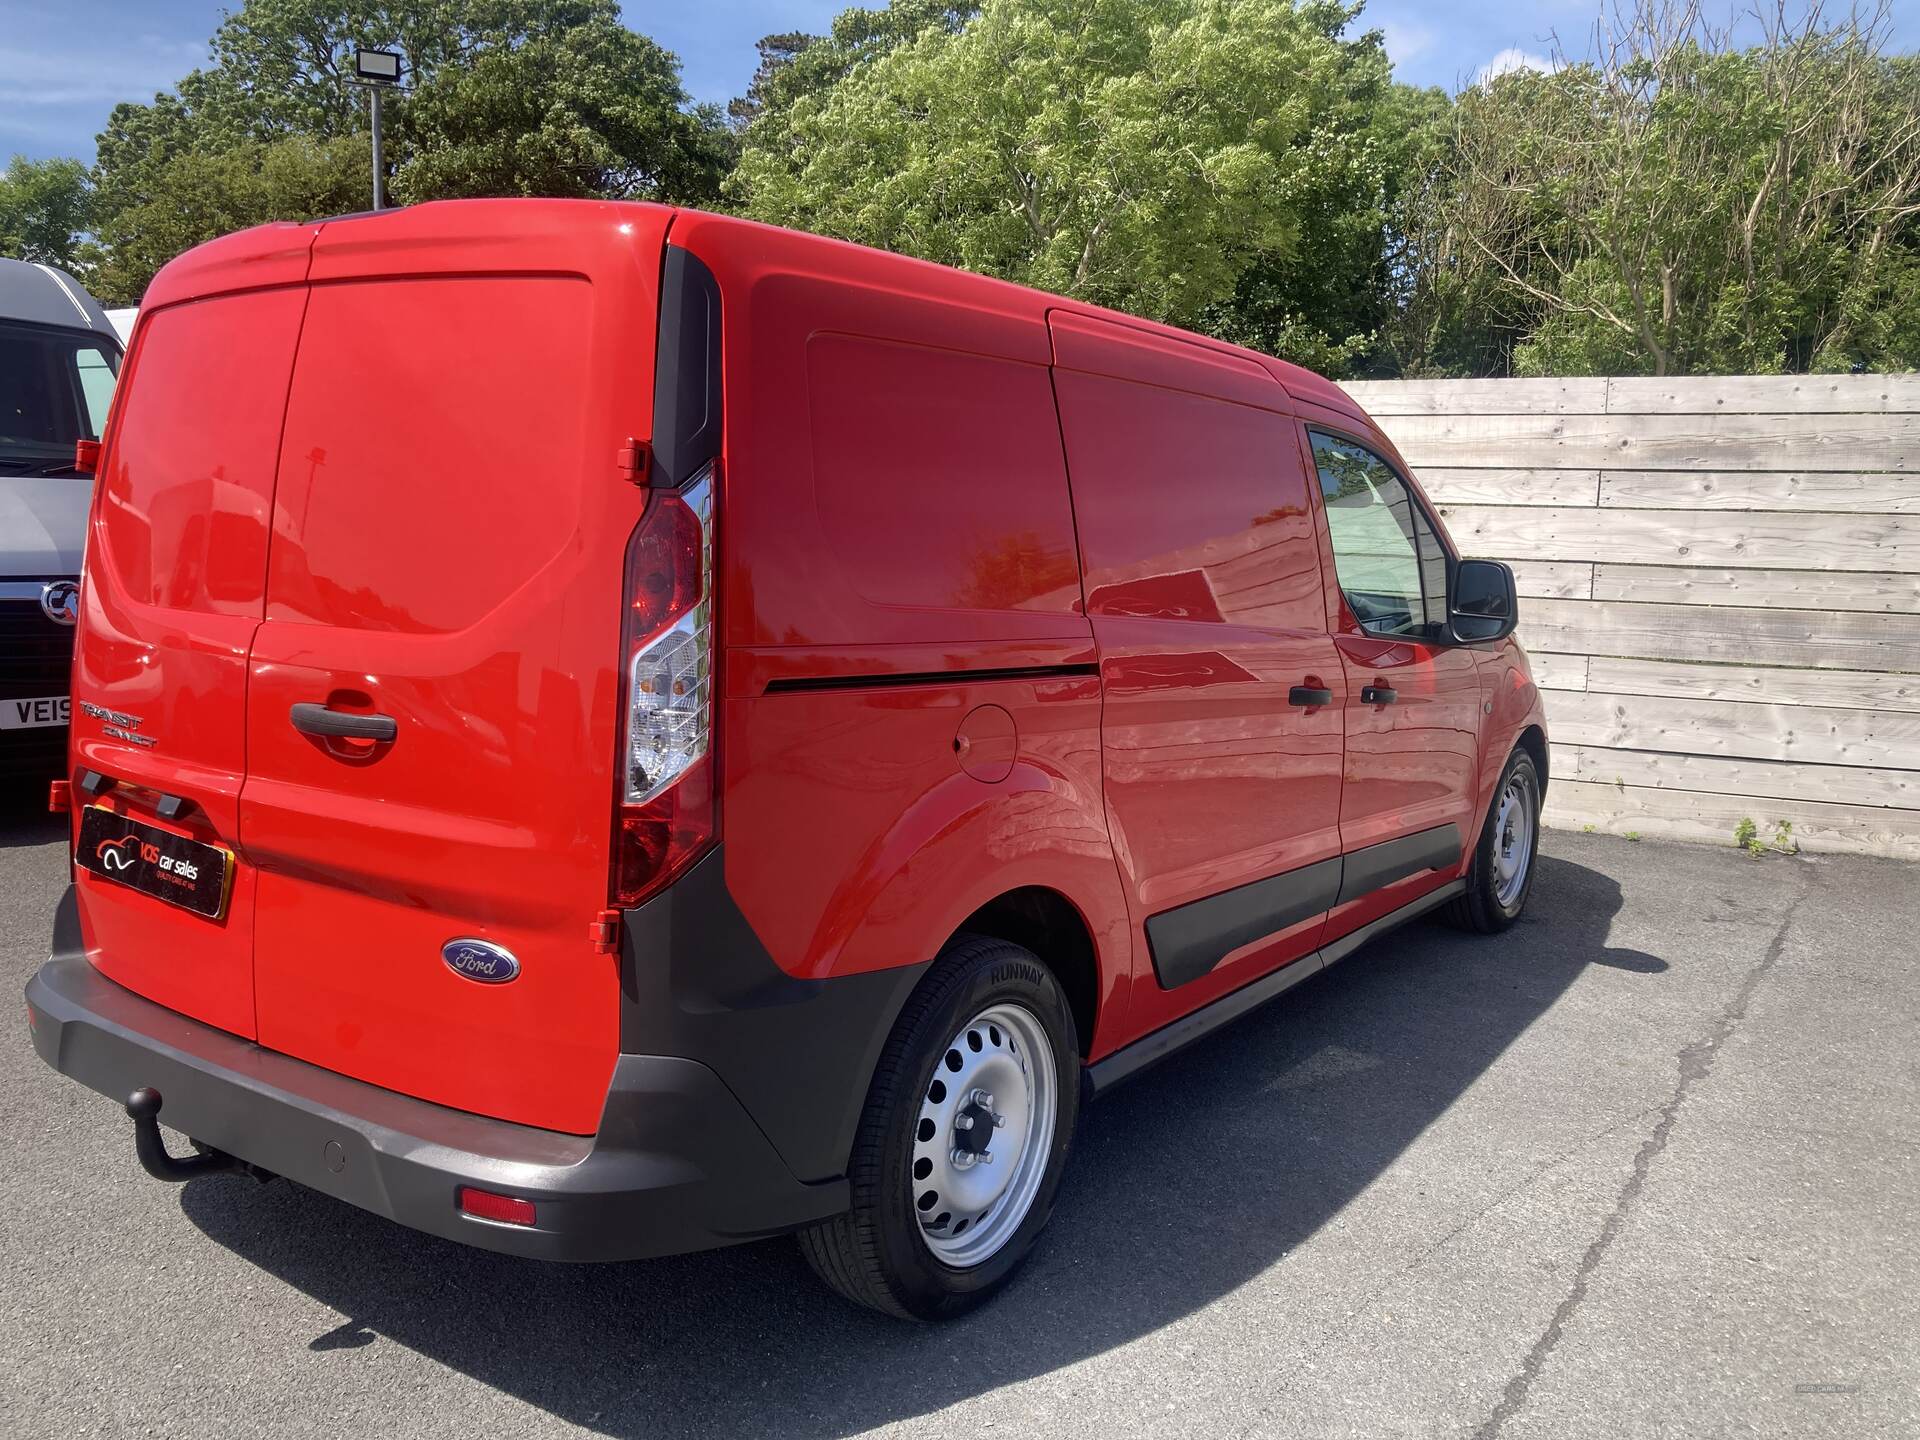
55, 386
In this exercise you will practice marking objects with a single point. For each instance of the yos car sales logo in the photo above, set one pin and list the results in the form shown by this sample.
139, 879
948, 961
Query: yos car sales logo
480, 960
60, 601
130, 850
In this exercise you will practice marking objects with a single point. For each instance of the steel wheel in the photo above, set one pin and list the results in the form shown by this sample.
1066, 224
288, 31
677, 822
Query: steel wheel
983, 1135
1513, 826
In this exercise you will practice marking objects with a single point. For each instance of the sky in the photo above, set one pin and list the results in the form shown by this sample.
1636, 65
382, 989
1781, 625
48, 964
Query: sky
64, 64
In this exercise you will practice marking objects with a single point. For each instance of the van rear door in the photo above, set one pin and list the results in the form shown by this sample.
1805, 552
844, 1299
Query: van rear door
448, 538
174, 588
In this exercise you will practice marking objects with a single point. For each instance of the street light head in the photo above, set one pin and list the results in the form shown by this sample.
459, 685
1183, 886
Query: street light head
377, 67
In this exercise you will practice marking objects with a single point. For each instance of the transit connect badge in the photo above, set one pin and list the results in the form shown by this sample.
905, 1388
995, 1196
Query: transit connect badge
480, 960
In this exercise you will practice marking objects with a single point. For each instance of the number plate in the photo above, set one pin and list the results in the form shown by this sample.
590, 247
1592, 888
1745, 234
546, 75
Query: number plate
155, 862
34, 714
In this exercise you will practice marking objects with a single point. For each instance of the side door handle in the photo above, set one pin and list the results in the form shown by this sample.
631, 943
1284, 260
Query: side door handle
1378, 695
1308, 696
310, 719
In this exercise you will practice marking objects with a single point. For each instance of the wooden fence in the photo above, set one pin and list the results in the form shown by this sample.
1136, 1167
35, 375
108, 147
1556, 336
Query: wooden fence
1722, 589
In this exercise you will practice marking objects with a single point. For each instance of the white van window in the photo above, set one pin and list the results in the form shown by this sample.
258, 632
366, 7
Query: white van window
54, 389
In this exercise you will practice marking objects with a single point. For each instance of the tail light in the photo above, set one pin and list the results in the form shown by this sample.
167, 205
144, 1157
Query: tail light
667, 811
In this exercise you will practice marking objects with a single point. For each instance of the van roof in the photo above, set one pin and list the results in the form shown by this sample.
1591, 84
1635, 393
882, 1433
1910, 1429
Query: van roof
283, 252
43, 295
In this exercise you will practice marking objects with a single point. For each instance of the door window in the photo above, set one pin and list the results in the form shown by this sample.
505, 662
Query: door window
1391, 565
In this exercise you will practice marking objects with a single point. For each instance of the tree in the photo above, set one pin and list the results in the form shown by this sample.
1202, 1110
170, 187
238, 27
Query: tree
504, 97
1674, 203
1139, 153
1330, 302
45, 208
592, 110
203, 193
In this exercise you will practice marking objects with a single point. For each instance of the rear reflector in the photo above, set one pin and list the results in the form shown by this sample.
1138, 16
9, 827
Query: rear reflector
60, 797
485, 1205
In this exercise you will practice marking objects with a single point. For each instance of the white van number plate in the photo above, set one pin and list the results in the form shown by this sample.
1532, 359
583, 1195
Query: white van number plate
32, 714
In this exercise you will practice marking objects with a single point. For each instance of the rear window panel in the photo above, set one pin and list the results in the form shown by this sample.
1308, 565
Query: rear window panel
184, 497
434, 450
939, 478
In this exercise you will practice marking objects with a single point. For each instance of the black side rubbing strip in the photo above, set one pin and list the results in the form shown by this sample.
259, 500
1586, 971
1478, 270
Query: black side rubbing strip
1125, 1064
1377, 865
1188, 942
686, 377
788, 684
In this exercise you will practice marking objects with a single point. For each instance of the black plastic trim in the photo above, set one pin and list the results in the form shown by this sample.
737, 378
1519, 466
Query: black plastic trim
312, 719
676, 1164
1374, 867
1123, 1065
1189, 941
788, 684
696, 981
686, 376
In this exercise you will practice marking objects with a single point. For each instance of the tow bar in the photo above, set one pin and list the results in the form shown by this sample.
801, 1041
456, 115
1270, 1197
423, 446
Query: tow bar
144, 1106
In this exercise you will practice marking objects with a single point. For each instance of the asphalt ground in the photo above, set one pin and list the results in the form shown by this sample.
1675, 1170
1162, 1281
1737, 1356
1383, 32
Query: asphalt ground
1647, 1164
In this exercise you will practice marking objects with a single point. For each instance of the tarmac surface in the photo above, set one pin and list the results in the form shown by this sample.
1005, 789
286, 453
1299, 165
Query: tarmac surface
1647, 1164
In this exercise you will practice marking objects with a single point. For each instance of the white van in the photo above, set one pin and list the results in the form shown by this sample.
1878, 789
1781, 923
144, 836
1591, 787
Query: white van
59, 356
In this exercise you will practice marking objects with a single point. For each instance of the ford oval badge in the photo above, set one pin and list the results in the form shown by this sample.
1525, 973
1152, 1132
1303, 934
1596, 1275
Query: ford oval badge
480, 960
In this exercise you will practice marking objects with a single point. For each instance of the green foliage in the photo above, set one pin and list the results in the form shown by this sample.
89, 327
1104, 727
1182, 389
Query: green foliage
1674, 205
590, 110
504, 97
1663, 204
1746, 835
1187, 160
44, 207
199, 194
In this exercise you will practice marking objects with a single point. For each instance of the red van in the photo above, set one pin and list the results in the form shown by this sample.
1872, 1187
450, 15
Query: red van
602, 730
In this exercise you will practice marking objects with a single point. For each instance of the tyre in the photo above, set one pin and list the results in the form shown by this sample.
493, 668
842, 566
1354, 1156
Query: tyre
1501, 876
963, 1140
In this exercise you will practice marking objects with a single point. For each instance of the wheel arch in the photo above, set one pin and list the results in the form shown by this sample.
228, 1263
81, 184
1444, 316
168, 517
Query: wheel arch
1043, 920
1533, 740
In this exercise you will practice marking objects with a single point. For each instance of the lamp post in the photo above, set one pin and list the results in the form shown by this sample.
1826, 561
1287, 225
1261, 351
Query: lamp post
377, 69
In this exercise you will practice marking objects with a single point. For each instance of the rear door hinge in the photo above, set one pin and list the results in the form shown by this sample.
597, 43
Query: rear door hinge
605, 932
630, 460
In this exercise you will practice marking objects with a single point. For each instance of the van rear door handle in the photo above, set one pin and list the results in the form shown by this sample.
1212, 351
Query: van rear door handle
310, 719
1378, 695
1308, 696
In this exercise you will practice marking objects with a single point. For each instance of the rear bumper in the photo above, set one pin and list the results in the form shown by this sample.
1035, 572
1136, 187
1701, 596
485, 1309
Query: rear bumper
677, 1164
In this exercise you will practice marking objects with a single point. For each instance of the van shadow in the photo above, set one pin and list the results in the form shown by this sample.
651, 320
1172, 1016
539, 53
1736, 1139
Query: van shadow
1184, 1185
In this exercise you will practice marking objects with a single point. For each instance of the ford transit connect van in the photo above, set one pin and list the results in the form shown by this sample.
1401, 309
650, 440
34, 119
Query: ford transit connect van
58, 358
603, 730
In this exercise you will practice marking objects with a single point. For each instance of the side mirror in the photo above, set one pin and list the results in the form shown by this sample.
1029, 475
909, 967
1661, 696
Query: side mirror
1483, 605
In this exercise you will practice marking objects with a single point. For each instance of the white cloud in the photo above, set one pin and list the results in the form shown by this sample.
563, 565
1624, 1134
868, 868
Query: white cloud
1511, 59
1404, 42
